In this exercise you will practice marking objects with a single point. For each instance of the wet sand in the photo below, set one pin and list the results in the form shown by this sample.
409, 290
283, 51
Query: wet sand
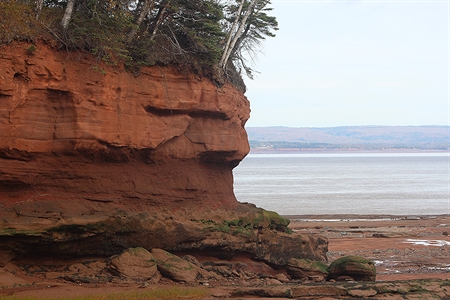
403, 247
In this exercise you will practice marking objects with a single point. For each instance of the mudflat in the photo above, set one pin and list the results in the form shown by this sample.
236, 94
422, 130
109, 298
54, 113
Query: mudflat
402, 247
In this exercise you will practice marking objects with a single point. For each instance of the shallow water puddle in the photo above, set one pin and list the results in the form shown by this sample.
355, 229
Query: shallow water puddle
438, 243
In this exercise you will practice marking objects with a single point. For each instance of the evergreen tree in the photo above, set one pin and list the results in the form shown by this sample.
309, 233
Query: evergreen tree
203, 34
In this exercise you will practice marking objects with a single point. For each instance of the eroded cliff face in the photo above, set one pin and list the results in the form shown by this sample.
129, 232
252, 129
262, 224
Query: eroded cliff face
63, 117
94, 160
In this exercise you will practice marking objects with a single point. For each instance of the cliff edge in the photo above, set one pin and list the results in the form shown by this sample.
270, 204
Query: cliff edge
94, 160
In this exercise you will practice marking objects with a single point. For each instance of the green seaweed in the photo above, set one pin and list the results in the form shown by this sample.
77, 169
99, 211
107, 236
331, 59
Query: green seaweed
311, 265
17, 232
247, 225
272, 220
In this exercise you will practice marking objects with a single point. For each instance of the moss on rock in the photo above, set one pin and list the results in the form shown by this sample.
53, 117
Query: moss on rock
302, 268
357, 267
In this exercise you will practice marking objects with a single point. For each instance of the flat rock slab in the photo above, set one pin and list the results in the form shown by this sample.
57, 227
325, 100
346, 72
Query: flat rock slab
362, 293
274, 291
318, 290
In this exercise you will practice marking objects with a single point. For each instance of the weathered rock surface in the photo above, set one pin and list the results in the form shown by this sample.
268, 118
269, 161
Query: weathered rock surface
174, 267
94, 161
414, 289
352, 267
71, 129
269, 292
135, 263
307, 269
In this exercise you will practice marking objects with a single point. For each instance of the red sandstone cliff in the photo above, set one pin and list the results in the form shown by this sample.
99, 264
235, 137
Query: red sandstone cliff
94, 160
61, 109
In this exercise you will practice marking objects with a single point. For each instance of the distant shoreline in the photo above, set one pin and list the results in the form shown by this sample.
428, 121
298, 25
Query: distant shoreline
349, 138
316, 151
362, 217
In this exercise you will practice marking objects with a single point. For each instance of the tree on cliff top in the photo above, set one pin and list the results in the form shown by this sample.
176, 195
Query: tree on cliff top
250, 25
202, 34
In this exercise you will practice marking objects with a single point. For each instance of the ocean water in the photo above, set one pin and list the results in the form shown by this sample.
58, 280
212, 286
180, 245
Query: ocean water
346, 183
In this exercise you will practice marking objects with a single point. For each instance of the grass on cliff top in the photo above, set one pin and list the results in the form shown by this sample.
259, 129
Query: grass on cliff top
158, 293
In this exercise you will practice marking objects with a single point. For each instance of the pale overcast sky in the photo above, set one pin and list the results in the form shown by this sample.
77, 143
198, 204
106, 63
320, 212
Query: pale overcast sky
341, 63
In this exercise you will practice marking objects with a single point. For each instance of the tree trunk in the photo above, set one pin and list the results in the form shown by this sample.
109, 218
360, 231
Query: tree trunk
146, 8
39, 5
67, 14
230, 34
159, 18
238, 33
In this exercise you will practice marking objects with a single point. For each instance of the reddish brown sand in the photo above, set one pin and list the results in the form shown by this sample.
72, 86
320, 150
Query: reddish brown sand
384, 239
402, 247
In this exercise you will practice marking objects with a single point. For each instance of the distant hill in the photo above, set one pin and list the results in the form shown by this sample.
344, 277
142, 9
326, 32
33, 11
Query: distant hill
350, 137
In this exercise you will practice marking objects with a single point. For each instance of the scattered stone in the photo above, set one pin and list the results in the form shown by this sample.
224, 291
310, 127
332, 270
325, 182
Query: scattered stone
253, 282
79, 268
272, 281
223, 270
317, 278
89, 279
282, 278
345, 278
362, 293
193, 260
91, 271
174, 267
136, 264
356, 267
307, 269
202, 273
380, 235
